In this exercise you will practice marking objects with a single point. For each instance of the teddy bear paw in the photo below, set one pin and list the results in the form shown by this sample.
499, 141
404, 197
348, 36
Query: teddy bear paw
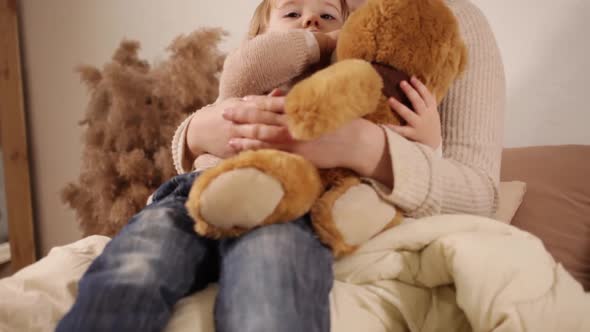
242, 197
360, 214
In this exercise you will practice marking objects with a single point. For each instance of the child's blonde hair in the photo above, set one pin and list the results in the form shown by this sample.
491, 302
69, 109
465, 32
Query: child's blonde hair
261, 16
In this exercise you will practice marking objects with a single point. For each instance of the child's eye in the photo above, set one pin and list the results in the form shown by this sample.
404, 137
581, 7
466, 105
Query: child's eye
293, 15
328, 17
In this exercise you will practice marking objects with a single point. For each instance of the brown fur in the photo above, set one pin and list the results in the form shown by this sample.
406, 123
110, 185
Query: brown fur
132, 114
357, 98
419, 37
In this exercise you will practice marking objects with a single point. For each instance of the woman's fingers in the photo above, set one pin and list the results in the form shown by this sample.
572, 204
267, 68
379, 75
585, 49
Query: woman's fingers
244, 144
426, 95
407, 114
267, 103
253, 116
417, 102
257, 109
261, 132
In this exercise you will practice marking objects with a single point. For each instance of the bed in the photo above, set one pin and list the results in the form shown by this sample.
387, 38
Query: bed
446, 273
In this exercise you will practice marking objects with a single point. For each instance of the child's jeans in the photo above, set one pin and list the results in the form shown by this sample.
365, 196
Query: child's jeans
275, 278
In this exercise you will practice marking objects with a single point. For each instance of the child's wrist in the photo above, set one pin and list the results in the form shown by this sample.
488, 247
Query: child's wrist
192, 144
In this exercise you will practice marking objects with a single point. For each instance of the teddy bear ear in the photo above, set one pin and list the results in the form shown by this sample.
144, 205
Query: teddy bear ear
90, 76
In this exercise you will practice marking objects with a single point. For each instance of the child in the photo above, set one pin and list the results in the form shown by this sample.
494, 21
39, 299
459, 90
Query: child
274, 278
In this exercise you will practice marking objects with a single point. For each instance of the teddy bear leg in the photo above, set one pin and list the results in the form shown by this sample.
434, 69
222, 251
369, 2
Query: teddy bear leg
252, 189
350, 214
332, 97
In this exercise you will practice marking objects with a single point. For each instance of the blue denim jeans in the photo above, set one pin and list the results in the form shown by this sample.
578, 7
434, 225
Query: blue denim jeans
274, 278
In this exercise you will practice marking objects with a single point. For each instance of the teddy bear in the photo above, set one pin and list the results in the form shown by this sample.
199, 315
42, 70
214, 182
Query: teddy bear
133, 111
382, 43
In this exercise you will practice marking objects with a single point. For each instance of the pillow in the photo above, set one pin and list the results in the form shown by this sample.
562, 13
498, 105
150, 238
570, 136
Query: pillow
556, 207
511, 194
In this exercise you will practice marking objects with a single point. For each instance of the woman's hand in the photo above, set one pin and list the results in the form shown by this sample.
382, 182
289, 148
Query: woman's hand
360, 145
423, 124
210, 130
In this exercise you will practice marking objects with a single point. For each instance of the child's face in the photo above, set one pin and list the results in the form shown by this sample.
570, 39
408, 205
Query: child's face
313, 15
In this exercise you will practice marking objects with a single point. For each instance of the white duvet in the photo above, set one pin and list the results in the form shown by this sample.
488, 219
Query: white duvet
444, 273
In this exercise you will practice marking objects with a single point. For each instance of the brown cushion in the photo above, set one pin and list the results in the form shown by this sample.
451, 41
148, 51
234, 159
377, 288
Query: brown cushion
556, 206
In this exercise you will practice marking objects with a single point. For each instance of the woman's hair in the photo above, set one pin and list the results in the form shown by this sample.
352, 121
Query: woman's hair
261, 16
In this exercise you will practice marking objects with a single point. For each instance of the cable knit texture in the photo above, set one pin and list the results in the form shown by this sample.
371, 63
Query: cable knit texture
472, 114
265, 62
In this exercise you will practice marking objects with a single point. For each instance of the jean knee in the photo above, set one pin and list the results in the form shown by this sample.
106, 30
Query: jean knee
159, 221
275, 242
284, 247
138, 254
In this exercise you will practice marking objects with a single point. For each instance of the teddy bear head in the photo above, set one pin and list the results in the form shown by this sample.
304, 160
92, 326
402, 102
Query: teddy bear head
416, 37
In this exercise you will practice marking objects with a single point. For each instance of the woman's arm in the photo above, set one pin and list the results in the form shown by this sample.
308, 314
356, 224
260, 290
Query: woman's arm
466, 180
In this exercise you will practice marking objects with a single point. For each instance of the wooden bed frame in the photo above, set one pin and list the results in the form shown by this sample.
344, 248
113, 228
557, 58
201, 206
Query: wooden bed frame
13, 140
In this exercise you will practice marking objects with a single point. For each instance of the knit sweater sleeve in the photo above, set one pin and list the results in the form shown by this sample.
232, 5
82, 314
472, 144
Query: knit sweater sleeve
259, 65
178, 148
267, 62
466, 180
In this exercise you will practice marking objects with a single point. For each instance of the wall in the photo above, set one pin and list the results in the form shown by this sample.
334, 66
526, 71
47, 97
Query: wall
546, 54
543, 43
61, 34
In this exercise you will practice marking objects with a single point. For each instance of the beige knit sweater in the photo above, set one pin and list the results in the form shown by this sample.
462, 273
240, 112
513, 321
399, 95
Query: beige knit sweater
472, 114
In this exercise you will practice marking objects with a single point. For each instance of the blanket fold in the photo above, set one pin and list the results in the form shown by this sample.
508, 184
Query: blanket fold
443, 273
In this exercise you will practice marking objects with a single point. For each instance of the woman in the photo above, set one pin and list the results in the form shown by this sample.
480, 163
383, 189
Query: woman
278, 278
407, 174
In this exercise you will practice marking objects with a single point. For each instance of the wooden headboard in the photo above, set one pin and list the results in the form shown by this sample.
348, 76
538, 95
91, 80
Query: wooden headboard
13, 141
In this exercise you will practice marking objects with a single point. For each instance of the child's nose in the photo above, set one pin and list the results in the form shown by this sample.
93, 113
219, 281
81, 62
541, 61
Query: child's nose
312, 21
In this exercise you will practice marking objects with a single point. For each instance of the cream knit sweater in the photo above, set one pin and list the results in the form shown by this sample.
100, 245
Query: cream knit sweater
472, 114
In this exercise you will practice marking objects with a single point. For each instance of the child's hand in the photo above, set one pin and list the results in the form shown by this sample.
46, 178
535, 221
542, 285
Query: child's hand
423, 125
256, 121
